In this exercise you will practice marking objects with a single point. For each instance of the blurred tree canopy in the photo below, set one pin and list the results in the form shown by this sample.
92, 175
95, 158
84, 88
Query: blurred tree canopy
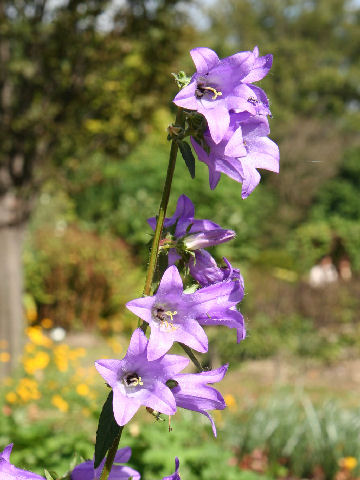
76, 77
315, 102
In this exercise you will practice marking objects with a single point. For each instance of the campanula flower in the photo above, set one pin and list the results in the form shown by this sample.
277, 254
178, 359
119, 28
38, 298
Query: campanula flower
137, 381
221, 86
175, 475
10, 472
244, 148
86, 470
175, 316
205, 270
193, 392
186, 233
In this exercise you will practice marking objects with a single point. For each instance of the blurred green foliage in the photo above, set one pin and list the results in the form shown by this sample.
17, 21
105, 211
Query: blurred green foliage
302, 436
289, 434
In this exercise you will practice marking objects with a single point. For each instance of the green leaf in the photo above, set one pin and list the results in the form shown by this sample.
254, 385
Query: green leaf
48, 475
107, 430
188, 157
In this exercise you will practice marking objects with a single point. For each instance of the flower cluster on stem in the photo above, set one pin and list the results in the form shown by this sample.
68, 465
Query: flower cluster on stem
226, 116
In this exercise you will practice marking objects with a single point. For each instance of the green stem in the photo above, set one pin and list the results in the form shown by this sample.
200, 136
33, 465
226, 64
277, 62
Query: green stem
162, 213
192, 357
152, 265
111, 456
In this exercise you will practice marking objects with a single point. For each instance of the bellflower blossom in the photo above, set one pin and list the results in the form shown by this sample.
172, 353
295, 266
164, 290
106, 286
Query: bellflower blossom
137, 381
175, 316
175, 475
221, 86
244, 148
10, 472
193, 393
86, 470
206, 271
189, 233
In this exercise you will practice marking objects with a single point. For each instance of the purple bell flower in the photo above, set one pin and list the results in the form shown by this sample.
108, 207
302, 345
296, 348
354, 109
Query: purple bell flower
137, 381
175, 475
10, 472
193, 393
204, 269
190, 233
175, 316
86, 470
221, 86
244, 148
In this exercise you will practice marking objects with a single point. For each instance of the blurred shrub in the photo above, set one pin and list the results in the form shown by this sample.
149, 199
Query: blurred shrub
79, 278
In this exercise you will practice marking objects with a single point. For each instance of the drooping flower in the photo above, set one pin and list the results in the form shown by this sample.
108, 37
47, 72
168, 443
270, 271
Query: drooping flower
137, 381
10, 472
175, 316
244, 148
188, 234
221, 86
193, 392
205, 270
86, 470
175, 475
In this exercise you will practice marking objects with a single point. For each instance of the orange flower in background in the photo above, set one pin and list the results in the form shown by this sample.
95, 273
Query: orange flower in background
60, 403
47, 323
82, 389
37, 337
349, 463
27, 390
230, 401
4, 357
38, 362
11, 397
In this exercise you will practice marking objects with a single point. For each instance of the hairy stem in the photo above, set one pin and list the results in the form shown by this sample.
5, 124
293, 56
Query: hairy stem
111, 456
162, 212
152, 265
192, 357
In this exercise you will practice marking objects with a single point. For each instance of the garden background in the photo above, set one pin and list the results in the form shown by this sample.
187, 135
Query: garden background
86, 91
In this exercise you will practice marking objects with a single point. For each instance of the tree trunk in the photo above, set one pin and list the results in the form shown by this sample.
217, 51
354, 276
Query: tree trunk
11, 310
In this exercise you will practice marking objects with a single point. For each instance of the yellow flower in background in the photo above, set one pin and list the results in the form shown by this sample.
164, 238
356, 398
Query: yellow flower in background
230, 401
82, 389
39, 362
76, 353
60, 403
348, 462
4, 357
61, 357
47, 323
36, 336
28, 390
11, 397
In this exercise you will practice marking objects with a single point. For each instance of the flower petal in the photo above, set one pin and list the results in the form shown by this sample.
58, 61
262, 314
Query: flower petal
124, 407
218, 121
108, 369
159, 398
141, 307
170, 283
260, 69
204, 59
